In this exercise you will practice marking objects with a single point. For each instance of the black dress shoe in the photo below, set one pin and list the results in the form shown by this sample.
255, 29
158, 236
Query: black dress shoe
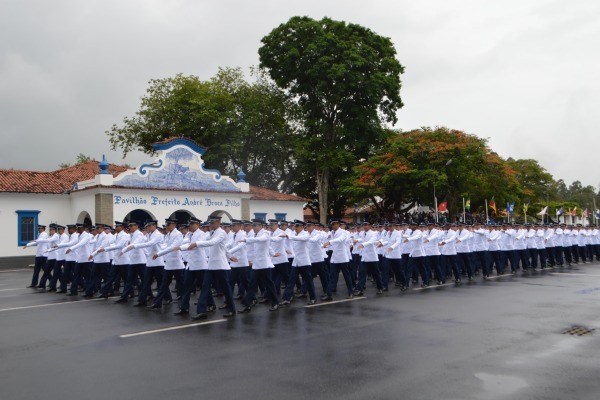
51, 290
178, 298
154, 307
103, 296
30, 286
224, 306
167, 302
88, 296
326, 298
238, 297
211, 308
263, 300
121, 300
72, 294
200, 316
311, 302
182, 312
61, 291
41, 287
140, 305
229, 314
244, 310
274, 308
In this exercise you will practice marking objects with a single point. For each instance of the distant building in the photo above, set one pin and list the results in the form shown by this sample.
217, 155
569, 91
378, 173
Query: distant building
176, 185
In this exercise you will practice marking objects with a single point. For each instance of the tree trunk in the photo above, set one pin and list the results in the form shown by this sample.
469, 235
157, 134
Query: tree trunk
323, 190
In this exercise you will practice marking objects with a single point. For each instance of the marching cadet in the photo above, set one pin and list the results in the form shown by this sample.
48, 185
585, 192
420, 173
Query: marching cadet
281, 262
69, 258
369, 262
339, 260
558, 245
51, 240
394, 254
464, 252
261, 267
449, 254
197, 267
480, 249
317, 254
431, 241
218, 270
566, 236
540, 243
58, 275
137, 262
40, 256
101, 264
239, 262
154, 266
507, 248
300, 265
418, 262
120, 261
494, 239
532, 253
520, 245
173, 264
82, 253
550, 244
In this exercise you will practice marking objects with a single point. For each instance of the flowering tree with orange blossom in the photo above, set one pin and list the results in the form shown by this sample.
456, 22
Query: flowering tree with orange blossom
405, 171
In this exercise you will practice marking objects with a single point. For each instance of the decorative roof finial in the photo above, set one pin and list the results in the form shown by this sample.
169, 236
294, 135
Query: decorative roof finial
103, 166
241, 175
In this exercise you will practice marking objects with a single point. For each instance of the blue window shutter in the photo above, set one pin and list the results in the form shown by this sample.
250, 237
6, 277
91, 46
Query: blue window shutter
27, 223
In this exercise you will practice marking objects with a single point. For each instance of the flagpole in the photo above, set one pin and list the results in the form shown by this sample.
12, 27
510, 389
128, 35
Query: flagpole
486, 213
435, 202
464, 212
595, 216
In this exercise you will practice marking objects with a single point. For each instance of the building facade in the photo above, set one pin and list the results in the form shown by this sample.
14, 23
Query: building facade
175, 185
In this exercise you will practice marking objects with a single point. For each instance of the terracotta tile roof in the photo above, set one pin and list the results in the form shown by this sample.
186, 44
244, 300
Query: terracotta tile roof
51, 182
259, 193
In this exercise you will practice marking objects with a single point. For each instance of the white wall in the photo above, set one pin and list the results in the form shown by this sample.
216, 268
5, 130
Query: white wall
293, 209
52, 207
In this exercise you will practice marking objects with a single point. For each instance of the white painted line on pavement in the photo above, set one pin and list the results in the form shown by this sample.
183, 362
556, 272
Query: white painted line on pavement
52, 304
172, 328
568, 273
4, 290
326, 303
14, 270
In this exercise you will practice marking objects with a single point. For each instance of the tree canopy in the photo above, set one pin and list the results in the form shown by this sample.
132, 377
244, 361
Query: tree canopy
346, 81
247, 125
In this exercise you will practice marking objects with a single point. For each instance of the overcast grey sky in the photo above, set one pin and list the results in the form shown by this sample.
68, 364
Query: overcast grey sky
523, 73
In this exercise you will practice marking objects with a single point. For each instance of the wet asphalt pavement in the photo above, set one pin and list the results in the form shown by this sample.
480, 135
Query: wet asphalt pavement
496, 339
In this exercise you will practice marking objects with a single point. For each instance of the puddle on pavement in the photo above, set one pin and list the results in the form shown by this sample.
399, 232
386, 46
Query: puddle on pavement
498, 386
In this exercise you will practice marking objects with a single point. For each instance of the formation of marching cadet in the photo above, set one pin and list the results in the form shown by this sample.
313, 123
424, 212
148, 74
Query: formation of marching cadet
252, 261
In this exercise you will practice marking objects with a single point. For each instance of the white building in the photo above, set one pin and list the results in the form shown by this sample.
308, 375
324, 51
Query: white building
176, 185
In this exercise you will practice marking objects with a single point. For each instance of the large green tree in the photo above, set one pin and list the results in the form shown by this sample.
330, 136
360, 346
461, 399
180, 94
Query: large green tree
247, 125
346, 80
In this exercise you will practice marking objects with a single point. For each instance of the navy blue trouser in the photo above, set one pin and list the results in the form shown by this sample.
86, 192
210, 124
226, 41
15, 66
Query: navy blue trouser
47, 275
420, 264
93, 284
239, 275
193, 278
68, 273
371, 267
303, 271
150, 274
532, 253
164, 291
334, 272
318, 268
221, 278
451, 261
396, 265
80, 270
484, 262
57, 276
434, 265
37, 267
135, 272
521, 255
465, 260
261, 276
496, 260
280, 274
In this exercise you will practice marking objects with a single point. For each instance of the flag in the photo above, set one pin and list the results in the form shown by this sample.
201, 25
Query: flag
468, 204
560, 212
443, 207
511, 208
585, 213
544, 211
597, 214
574, 212
493, 204
526, 207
